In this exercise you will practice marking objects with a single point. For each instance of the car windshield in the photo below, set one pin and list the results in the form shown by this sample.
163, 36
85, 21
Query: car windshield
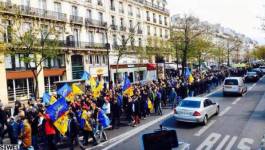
251, 73
190, 104
231, 82
262, 67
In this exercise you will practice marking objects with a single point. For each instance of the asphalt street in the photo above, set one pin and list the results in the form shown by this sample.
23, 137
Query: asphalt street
239, 125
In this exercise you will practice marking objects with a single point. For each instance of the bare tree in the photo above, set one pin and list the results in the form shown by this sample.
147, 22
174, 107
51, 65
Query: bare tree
187, 29
37, 41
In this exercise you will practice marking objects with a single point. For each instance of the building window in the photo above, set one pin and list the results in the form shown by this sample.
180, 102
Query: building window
57, 62
49, 83
25, 3
100, 3
165, 20
147, 16
160, 19
122, 22
91, 59
8, 62
130, 13
161, 33
154, 17
148, 30
112, 20
90, 37
100, 17
121, 10
74, 11
112, 6
104, 59
20, 88
57, 7
138, 13
155, 32
115, 42
97, 59
131, 24
43, 5
89, 14
140, 42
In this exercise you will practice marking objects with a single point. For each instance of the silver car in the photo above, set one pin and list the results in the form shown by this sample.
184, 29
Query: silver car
196, 110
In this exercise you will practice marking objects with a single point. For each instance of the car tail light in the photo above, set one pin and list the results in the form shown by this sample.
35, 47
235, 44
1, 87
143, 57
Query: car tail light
175, 111
196, 113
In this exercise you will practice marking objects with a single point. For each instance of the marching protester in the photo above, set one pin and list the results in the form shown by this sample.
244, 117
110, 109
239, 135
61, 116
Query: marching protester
73, 113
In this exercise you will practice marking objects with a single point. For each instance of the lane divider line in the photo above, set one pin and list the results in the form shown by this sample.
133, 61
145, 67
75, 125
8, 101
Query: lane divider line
236, 101
205, 128
225, 111
117, 140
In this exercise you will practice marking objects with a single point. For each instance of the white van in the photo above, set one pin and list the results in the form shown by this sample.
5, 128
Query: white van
234, 85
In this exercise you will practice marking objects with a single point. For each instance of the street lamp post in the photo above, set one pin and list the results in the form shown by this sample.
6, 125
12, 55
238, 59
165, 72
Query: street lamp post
108, 55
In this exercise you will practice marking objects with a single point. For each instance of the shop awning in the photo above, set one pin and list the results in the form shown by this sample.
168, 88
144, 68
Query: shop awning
53, 72
29, 74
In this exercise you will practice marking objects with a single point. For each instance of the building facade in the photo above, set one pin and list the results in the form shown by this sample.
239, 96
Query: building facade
85, 28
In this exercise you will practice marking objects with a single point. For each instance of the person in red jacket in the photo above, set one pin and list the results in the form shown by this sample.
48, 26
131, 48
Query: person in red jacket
50, 132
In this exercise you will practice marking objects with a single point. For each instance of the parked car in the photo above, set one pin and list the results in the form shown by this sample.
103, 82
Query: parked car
262, 68
234, 85
196, 110
258, 71
251, 77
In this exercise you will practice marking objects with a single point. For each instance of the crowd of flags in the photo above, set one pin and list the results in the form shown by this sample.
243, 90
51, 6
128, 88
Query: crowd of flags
58, 108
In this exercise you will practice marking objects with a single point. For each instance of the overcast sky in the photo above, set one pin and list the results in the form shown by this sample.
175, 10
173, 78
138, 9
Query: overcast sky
240, 15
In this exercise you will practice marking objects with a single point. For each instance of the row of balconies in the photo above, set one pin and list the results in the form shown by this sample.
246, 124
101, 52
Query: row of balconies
8, 7
123, 28
152, 5
155, 20
80, 44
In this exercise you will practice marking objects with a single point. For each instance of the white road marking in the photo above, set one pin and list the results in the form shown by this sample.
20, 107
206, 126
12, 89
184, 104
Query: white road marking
225, 111
209, 142
119, 139
205, 128
236, 101
245, 144
213, 92
226, 142
231, 143
221, 145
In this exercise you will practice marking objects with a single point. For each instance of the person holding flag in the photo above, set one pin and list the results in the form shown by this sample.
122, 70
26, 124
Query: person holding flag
127, 88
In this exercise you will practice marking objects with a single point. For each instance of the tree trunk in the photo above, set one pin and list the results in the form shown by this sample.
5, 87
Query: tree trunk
228, 57
177, 58
36, 88
184, 59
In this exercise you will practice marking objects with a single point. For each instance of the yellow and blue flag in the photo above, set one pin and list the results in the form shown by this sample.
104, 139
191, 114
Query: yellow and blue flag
57, 109
64, 90
62, 123
96, 91
92, 82
85, 76
70, 97
47, 99
127, 88
188, 75
76, 90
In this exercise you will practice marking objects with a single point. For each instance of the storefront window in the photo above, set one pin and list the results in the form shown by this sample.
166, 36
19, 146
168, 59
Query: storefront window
23, 88
49, 83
